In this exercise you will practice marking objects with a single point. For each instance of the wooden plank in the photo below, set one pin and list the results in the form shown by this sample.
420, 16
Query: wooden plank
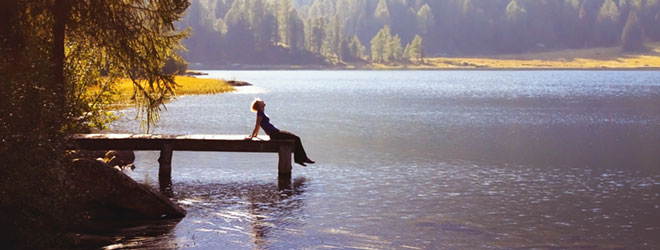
228, 143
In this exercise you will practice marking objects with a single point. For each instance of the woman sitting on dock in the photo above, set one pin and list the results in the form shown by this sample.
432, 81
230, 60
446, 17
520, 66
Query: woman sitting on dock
263, 121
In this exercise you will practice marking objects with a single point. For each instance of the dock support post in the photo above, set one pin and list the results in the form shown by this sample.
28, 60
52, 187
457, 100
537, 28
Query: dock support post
284, 165
165, 170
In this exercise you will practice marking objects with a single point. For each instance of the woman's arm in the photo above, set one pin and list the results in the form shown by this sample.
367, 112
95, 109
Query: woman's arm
255, 132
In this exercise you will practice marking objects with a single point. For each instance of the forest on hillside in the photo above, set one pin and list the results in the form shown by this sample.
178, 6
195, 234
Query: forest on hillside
389, 31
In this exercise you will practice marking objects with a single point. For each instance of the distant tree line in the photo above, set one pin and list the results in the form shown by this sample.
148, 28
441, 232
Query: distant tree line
317, 31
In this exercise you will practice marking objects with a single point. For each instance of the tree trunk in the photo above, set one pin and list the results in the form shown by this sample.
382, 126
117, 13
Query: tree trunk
57, 90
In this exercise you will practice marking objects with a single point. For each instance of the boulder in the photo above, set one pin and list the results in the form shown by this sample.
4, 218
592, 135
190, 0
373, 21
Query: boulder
93, 154
109, 192
238, 83
126, 156
122, 159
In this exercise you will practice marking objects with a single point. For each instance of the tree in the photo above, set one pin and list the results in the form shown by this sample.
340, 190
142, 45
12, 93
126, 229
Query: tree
512, 34
316, 33
295, 31
356, 48
448, 26
396, 49
382, 12
632, 38
284, 7
344, 51
380, 45
240, 38
649, 16
606, 31
136, 39
415, 50
333, 37
515, 13
51, 52
425, 19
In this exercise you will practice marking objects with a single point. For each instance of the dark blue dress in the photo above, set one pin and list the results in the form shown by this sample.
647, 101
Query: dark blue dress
266, 125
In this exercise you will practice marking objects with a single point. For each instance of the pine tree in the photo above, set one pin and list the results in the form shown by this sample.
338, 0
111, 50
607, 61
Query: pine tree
377, 47
295, 31
284, 7
606, 31
381, 50
425, 19
407, 53
396, 49
632, 38
416, 51
382, 12
356, 48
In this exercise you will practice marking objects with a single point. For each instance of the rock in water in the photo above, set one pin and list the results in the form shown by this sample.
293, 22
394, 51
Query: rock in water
113, 192
238, 83
126, 156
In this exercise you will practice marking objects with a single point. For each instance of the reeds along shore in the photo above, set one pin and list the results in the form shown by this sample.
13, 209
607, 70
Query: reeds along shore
186, 85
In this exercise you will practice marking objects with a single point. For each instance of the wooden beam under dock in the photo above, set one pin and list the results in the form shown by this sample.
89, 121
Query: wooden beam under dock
168, 143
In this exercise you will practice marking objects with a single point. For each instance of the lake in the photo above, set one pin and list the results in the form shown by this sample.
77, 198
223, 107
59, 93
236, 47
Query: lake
419, 160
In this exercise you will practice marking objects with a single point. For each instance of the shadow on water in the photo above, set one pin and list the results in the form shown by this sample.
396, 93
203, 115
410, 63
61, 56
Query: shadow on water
165, 186
238, 214
126, 234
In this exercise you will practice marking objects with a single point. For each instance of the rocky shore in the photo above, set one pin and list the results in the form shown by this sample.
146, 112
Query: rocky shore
105, 196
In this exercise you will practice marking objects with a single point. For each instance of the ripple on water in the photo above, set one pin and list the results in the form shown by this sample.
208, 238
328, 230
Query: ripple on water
429, 160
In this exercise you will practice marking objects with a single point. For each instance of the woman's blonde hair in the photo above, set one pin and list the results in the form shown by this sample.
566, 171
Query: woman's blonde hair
253, 106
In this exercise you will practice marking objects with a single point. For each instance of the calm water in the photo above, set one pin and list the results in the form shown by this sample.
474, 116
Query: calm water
420, 160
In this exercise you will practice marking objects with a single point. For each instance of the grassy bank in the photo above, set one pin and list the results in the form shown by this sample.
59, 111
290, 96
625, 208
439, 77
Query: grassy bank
187, 85
607, 58
595, 58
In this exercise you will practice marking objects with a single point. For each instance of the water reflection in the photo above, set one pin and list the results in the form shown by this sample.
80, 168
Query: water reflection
464, 160
261, 208
165, 186
243, 214
127, 234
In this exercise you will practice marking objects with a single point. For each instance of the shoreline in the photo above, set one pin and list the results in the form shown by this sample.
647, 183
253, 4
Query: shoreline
405, 68
601, 58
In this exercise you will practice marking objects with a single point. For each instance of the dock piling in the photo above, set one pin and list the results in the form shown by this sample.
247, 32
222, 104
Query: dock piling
165, 169
284, 164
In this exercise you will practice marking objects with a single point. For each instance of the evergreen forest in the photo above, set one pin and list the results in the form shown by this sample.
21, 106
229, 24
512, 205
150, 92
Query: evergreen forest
299, 32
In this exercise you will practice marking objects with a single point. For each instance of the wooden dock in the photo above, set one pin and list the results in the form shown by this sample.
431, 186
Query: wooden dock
166, 144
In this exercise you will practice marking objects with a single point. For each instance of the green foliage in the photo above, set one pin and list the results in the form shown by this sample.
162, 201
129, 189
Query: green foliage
331, 44
51, 53
356, 49
396, 51
386, 48
382, 12
380, 45
447, 27
607, 31
415, 50
175, 65
425, 19
295, 29
316, 28
283, 18
515, 13
632, 38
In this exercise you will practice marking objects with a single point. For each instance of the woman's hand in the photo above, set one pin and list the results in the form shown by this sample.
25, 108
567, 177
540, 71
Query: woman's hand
255, 131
